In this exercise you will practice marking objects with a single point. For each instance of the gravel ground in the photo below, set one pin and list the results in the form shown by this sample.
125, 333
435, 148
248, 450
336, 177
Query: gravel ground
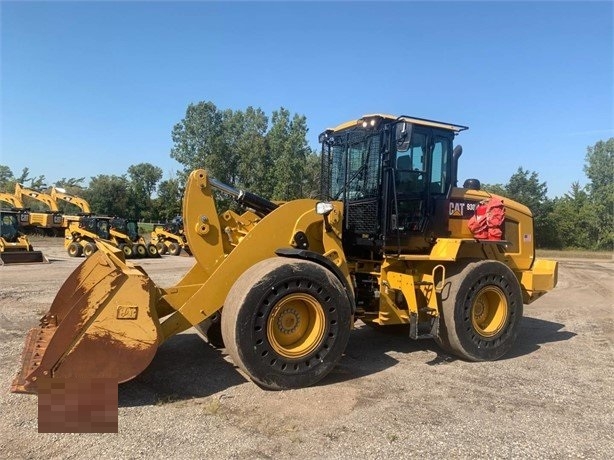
551, 397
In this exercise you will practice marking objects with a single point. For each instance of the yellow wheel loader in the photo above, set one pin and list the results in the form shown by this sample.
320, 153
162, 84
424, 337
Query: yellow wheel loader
15, 248
389, 243
170, 238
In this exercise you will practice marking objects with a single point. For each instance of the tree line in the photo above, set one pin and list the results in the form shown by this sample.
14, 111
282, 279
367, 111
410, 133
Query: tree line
583, 218
270, 156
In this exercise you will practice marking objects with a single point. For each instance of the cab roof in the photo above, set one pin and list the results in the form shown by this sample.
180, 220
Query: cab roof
409, 119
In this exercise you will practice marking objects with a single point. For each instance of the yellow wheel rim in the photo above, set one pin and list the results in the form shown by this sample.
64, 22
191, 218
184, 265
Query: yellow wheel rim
489, 311
295, 326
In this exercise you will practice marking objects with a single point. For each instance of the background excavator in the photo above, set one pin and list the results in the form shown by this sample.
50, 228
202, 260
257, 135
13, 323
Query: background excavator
49, 222
81, 204
388, 243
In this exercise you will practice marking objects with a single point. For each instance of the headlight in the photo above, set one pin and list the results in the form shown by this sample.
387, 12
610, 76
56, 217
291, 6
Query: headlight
324, 208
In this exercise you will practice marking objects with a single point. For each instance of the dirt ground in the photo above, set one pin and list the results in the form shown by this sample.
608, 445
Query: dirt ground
390, 397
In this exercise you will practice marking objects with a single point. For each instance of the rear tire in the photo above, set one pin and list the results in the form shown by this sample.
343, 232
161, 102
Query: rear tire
174, 249
74, 249
152, 250
140, 250
161, 248
286, 322
89, 249
482, 309
128, 252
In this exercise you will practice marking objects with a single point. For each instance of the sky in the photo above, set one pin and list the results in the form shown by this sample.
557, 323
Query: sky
90, 88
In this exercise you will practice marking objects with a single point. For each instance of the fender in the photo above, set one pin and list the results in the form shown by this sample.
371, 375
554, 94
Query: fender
319, 259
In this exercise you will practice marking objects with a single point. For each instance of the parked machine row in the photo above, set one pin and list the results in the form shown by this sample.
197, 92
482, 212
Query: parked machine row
81, 236
82, 228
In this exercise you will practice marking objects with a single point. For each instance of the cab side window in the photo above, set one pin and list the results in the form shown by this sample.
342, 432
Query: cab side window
440, 167
411, 165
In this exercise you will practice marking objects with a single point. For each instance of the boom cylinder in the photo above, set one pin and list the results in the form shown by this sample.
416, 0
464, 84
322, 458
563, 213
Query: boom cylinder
262, 206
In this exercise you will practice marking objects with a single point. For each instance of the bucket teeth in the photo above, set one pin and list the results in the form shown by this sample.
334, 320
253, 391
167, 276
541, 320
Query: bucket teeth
36, 342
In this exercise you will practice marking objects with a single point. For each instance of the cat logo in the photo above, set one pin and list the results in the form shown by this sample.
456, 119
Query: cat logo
127, 312
462, 209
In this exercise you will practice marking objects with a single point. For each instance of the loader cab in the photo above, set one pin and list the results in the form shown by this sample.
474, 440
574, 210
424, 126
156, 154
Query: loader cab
394, 176
96, 225
9, 226
127, 227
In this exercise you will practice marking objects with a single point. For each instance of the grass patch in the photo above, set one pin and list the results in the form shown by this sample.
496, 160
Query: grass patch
574, 254
167, 399
212, 406
145, 227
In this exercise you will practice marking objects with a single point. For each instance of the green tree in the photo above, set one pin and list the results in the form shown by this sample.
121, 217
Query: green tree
237, 148
34, 183
288, 146
200, 141
7, 179
496, 189
255, 164
110, 195
168, 202
313, 176
524, 187
575, 220
144, 178
72, 183
599, 168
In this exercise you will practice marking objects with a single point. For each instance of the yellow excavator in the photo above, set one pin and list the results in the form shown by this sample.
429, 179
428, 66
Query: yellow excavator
11, 199
58, 193
15, 248
50, 222
388, 243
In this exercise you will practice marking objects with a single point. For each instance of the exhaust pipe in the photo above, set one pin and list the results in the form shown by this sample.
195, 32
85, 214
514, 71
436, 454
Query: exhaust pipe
456, 153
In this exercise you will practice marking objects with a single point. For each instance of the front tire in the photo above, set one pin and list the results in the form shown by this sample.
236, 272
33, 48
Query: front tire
140, 250
286, 323
128, 252
152, 250
74, 249
174, 249
89, 249
482, 309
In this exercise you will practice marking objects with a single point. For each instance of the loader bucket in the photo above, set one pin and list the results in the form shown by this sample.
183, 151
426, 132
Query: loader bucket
22, 257
101, 325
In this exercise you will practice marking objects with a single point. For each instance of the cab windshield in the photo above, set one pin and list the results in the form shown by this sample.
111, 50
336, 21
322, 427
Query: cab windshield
354, 162
8, 227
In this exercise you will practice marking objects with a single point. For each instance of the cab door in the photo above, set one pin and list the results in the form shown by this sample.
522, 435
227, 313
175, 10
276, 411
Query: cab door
421, 180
